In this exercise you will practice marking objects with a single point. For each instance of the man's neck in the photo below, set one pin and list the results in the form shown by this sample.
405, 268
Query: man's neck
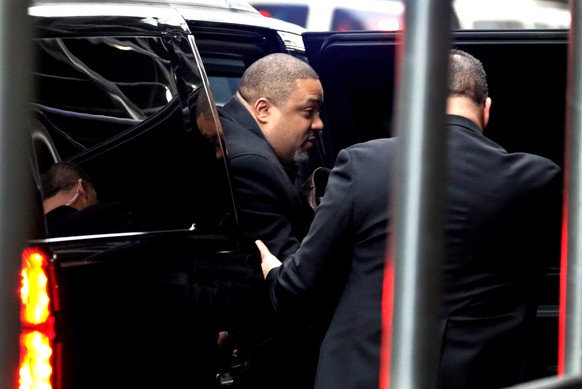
60, 199
464, 106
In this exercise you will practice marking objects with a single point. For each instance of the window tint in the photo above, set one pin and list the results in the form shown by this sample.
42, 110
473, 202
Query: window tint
134, 112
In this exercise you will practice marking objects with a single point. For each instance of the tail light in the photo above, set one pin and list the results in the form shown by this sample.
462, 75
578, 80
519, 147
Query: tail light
37, 334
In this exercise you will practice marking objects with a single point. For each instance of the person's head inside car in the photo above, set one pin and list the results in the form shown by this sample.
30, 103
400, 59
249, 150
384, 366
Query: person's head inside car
66, 184
207, 125
284, 96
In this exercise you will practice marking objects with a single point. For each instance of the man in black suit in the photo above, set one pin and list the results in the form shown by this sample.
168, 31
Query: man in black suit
502, 224
269, 126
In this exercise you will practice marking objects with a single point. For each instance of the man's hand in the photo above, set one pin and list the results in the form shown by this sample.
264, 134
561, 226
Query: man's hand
268, 260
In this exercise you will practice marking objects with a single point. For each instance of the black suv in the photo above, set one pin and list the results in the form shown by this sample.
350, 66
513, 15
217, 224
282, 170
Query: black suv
119, 87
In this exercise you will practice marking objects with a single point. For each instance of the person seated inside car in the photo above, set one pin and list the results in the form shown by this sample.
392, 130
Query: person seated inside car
71, 206
206, 123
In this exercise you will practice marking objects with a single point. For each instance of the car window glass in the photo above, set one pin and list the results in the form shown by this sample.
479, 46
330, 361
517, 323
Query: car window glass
224, 75
126, 110
227, 54
119, 89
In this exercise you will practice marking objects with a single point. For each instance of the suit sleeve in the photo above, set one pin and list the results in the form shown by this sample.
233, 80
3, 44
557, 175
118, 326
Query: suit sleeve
546, 220
323, 258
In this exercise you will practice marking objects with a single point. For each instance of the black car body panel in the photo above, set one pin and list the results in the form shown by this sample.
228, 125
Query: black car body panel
147, 310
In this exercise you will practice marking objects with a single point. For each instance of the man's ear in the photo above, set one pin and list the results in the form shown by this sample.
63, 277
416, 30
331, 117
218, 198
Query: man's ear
81, 187
262, 109
486, 110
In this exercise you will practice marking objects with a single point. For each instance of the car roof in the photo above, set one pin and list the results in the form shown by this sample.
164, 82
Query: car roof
54, 18
238, 12
233, 5
224, 5
177, 13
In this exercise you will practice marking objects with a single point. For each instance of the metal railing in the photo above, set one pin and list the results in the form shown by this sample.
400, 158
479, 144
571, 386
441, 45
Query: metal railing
419, 198
15, 185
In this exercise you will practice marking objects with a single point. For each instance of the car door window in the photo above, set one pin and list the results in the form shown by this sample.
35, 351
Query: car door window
124, 109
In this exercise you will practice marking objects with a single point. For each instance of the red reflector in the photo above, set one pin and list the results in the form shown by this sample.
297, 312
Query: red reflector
266, 13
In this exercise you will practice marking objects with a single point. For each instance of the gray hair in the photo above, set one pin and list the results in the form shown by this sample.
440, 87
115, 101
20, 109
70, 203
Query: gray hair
274, 77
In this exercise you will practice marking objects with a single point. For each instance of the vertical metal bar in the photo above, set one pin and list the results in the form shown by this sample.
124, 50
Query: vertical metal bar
15, 176
572, 265
419, 198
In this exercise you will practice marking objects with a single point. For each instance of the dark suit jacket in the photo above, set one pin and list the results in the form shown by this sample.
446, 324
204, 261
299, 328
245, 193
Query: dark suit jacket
503, 228
496, 230
271, 207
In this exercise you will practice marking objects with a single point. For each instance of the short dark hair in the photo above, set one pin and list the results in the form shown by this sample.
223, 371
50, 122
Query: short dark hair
467, 77
274, 77
62, 176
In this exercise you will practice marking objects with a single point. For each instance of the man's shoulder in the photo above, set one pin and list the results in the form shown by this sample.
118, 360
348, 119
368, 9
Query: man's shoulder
244, 146
376, 148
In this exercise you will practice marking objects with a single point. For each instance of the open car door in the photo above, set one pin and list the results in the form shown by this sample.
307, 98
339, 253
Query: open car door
526, 73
